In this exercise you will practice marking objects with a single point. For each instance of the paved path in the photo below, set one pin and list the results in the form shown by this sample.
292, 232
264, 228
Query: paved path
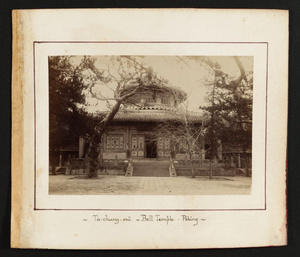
106, 184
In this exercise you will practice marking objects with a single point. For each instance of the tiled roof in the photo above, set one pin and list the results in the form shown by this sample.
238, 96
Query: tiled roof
158, 87
152, 116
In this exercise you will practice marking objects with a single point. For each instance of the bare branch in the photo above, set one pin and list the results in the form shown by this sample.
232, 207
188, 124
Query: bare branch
90, 89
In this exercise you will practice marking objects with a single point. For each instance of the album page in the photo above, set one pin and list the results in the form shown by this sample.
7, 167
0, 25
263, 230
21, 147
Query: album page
149, 128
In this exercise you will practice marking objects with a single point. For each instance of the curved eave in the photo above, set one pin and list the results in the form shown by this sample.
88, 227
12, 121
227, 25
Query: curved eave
153, 116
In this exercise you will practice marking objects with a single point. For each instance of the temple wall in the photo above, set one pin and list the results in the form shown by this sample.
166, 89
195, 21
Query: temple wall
138, 141
114, 155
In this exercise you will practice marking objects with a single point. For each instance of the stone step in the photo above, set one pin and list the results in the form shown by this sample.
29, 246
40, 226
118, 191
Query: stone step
151, 169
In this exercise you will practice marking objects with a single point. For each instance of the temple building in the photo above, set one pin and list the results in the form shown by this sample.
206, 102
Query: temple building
133, 135
134, 128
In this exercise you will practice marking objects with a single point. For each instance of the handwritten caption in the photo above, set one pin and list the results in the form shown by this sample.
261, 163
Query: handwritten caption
166, 219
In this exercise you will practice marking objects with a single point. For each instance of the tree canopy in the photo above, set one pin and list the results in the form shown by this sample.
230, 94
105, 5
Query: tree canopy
229, 111
72, 83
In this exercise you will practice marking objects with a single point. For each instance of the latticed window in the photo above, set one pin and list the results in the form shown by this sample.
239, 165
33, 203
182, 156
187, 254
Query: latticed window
160, 143
137, 142
141, 142
134, 142
121, 141
115, 141
167, 143
112, 142
164, 143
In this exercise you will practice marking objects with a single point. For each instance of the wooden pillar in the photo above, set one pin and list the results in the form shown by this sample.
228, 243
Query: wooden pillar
60, 159
69, 157
68, 165
126, 139
231, 161
81, 147
239, 160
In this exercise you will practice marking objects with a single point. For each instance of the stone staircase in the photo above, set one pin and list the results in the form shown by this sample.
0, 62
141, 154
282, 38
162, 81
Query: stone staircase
151, 168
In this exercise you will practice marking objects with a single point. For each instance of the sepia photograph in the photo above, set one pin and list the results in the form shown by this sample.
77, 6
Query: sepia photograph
169, 127
150, 125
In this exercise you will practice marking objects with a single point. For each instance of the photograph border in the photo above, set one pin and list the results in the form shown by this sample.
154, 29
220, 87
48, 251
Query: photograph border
148, 42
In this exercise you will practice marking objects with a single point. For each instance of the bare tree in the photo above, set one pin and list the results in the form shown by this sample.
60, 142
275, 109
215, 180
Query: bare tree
185, 134
229, 106
74, 79
126, 77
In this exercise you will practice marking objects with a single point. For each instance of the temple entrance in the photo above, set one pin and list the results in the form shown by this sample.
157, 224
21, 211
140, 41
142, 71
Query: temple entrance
150, 142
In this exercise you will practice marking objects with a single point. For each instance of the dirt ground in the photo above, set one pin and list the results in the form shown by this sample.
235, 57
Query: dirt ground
121, 185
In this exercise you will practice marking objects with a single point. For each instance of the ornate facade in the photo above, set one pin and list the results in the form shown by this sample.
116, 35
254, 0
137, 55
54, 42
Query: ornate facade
133, 131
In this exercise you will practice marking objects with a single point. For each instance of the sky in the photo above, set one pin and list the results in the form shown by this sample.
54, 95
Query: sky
181, 72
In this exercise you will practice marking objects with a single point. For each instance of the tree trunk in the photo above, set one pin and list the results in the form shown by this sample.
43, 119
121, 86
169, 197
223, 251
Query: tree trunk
94, 149
93, 154
212, 136
192, 169
211, 168
192, 165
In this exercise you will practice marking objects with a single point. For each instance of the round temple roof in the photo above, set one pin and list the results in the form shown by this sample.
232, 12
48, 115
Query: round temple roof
157, 88
156, 101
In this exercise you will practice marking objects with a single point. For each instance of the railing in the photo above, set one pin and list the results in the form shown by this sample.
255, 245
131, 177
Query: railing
172, 169
77, 166
129, 169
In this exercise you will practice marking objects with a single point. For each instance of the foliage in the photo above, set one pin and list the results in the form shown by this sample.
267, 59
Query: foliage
67, 119
71, 84
229, 111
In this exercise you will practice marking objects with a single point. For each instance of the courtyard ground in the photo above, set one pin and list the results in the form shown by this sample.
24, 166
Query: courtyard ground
121, 185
